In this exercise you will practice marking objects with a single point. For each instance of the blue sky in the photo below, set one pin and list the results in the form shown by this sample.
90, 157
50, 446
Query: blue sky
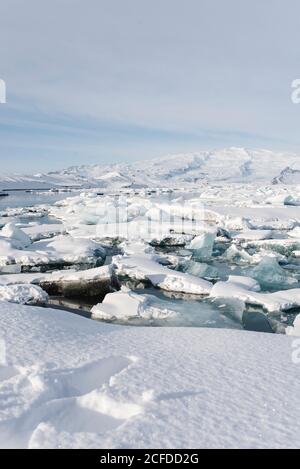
107, 80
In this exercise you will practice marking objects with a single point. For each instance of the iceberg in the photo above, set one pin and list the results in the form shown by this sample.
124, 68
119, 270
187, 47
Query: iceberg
271, 276
202, 245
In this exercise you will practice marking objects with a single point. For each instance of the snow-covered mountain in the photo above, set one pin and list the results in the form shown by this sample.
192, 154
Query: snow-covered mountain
231, 165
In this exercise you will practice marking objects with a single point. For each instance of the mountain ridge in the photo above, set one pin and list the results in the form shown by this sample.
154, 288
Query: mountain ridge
230, 165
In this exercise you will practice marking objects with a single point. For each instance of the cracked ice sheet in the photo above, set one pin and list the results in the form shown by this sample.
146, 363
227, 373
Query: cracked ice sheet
70, 382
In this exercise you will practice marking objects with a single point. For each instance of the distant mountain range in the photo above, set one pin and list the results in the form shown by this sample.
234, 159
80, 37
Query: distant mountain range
227, 165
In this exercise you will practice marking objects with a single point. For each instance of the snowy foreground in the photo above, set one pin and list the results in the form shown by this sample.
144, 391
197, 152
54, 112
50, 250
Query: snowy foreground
206, 248
71, 382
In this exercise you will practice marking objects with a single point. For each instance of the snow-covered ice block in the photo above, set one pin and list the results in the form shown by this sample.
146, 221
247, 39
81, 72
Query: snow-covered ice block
282, 246
58, 250
23, 294
20, 239
144, 266
95, 282
125, 304
237, 223
70, 250
255, 235
283, 199
37, 232
272, 302
171, 240
88, 283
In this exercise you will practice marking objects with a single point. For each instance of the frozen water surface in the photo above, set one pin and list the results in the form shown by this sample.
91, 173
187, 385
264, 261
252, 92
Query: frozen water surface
186, 240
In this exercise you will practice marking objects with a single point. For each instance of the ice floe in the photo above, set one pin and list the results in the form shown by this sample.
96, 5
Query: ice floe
63, 250
89, 283
138, 264
125, 304
239, 288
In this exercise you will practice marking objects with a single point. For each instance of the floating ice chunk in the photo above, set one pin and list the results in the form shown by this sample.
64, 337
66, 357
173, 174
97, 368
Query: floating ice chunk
88, 283
246, 282
172, 240
37, 232
140, 263
283, 200
198, 269
238, 255
270, 275
272, 302
254, 235
237, 224
88, 195
30, 212
290, 200
71, 284
144, 309
20, 239
70, 250
58, 250
277, 199
202, 245
282, 246
126, 304
23, 294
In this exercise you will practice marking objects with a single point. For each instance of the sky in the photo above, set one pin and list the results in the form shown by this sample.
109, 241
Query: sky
98, 81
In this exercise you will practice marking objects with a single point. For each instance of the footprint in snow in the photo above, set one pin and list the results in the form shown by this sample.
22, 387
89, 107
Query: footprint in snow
75, 400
